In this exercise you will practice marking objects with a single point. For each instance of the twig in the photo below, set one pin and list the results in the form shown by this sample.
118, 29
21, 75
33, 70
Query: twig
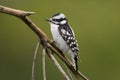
57, 65
69, 72
14, 12
43, 64
82, 76
23, 15
34, 60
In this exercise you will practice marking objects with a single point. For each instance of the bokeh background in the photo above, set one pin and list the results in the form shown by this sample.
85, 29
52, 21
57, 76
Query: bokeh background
96, 24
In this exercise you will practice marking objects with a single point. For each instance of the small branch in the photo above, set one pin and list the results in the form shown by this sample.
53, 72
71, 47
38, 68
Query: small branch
82, 76
14, 12
57, 65
43, 64
69, 73
34, 60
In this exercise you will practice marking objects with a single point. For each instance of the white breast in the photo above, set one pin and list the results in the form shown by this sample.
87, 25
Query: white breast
60, 43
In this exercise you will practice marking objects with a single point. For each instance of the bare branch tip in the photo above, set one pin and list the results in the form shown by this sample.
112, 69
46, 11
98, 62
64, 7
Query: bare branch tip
27, 13
31, 13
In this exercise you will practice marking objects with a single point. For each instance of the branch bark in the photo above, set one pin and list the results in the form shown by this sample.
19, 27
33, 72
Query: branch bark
23, 15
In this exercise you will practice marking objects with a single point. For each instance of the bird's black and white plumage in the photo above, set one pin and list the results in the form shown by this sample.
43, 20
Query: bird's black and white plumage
64, 36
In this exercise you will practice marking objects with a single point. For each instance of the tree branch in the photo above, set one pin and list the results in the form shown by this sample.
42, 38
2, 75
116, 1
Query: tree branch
43, 64
14, 12
57, 64
23, 15
69, 73
34, 60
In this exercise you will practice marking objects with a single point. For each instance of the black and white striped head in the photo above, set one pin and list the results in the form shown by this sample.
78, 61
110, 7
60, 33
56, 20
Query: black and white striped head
58, 19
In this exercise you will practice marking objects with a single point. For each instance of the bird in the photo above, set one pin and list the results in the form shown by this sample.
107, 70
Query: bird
64, 37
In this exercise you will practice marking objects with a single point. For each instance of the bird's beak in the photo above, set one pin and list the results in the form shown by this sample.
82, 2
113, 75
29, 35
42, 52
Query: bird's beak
48, 20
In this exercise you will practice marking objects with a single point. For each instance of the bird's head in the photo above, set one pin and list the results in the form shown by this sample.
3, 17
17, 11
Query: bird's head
58, 19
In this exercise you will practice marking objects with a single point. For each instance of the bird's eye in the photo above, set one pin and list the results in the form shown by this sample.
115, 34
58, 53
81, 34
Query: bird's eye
59, 20
55, 19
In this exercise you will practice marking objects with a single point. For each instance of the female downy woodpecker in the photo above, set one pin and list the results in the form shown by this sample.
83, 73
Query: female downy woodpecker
64, 37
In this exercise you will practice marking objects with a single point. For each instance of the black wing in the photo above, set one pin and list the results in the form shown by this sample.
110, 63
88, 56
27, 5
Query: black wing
68, 35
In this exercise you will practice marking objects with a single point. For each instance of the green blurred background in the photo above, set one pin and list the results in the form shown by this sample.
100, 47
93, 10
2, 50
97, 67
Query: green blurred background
96, 24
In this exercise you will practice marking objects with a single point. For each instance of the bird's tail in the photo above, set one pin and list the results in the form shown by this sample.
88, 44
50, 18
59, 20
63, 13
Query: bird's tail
75, 62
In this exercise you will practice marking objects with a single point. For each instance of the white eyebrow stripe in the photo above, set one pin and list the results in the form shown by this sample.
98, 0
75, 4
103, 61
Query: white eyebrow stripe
59, 16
